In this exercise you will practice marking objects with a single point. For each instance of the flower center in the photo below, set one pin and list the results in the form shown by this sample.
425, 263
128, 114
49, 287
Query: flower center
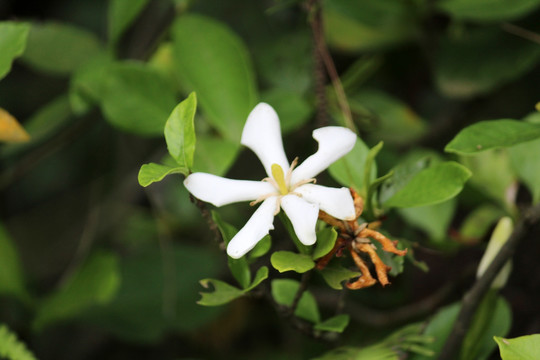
279, 178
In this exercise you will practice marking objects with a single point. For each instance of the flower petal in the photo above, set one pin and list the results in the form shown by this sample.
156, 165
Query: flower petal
333, 201
262, 134
334, 142
303, 216
260, 223
221, 191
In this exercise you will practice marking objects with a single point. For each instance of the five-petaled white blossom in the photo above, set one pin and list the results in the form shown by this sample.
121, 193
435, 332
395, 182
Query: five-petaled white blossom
288, 187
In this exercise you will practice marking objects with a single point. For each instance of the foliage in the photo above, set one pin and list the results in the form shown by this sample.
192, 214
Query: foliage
442, 99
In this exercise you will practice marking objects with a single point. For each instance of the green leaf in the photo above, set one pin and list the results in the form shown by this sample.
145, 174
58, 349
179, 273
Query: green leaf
487, 10
135, 98
260, 249
349, 170
287, 261
95, 282
430, 186
493, 317
58, 48
214, 155
294, 111
239, 267
121, 15
500, 235
284, 292
11, 347
12, 43
492, 134
222, 294
335, 275
521, 348
433, 219
479, 222
226, 88
391, 120
524, 161
336, 323
11, 276
368, 25
260, 276
439, 327
180, 131
472, 64
150, 173
373, 352
326, 238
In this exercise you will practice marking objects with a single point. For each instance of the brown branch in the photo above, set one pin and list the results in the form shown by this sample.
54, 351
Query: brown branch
521, 32
472, 298
322, 54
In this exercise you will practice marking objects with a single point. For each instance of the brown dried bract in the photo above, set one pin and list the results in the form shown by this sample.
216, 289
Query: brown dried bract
356, 238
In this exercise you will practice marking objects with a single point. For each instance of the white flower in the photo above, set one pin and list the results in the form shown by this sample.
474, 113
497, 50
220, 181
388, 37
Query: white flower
287, 187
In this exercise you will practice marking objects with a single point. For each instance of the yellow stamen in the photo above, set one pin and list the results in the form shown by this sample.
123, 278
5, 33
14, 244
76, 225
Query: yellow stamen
279, 177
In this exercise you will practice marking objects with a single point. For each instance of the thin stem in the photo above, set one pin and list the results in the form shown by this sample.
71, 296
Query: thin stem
208, 217
521, 32
472, 298
301, 289
317, 26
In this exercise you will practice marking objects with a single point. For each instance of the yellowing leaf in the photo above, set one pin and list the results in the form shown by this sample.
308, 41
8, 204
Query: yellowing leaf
10, 129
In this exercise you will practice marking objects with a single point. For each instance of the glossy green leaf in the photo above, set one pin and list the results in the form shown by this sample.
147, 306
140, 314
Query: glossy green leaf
239, 267
226, 88
214, 155
524, 161
262, 247
326, 238
59, 48
284, 292
293, 110
11, 277
492, 134
487, 10
368, 25
121, 15
406, 169
135, 98
521, 348
472, 63
349, 170
12, 43
222, 294
180, 131
390, 119
336, 323
433, 219
430, 186
493, 317
335, 275
95, 282
287, 261
260, 276
151, 173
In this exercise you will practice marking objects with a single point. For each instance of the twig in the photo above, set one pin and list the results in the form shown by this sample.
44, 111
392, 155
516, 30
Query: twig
472, 298
301, 289
314, 8
521, 32
208, 217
